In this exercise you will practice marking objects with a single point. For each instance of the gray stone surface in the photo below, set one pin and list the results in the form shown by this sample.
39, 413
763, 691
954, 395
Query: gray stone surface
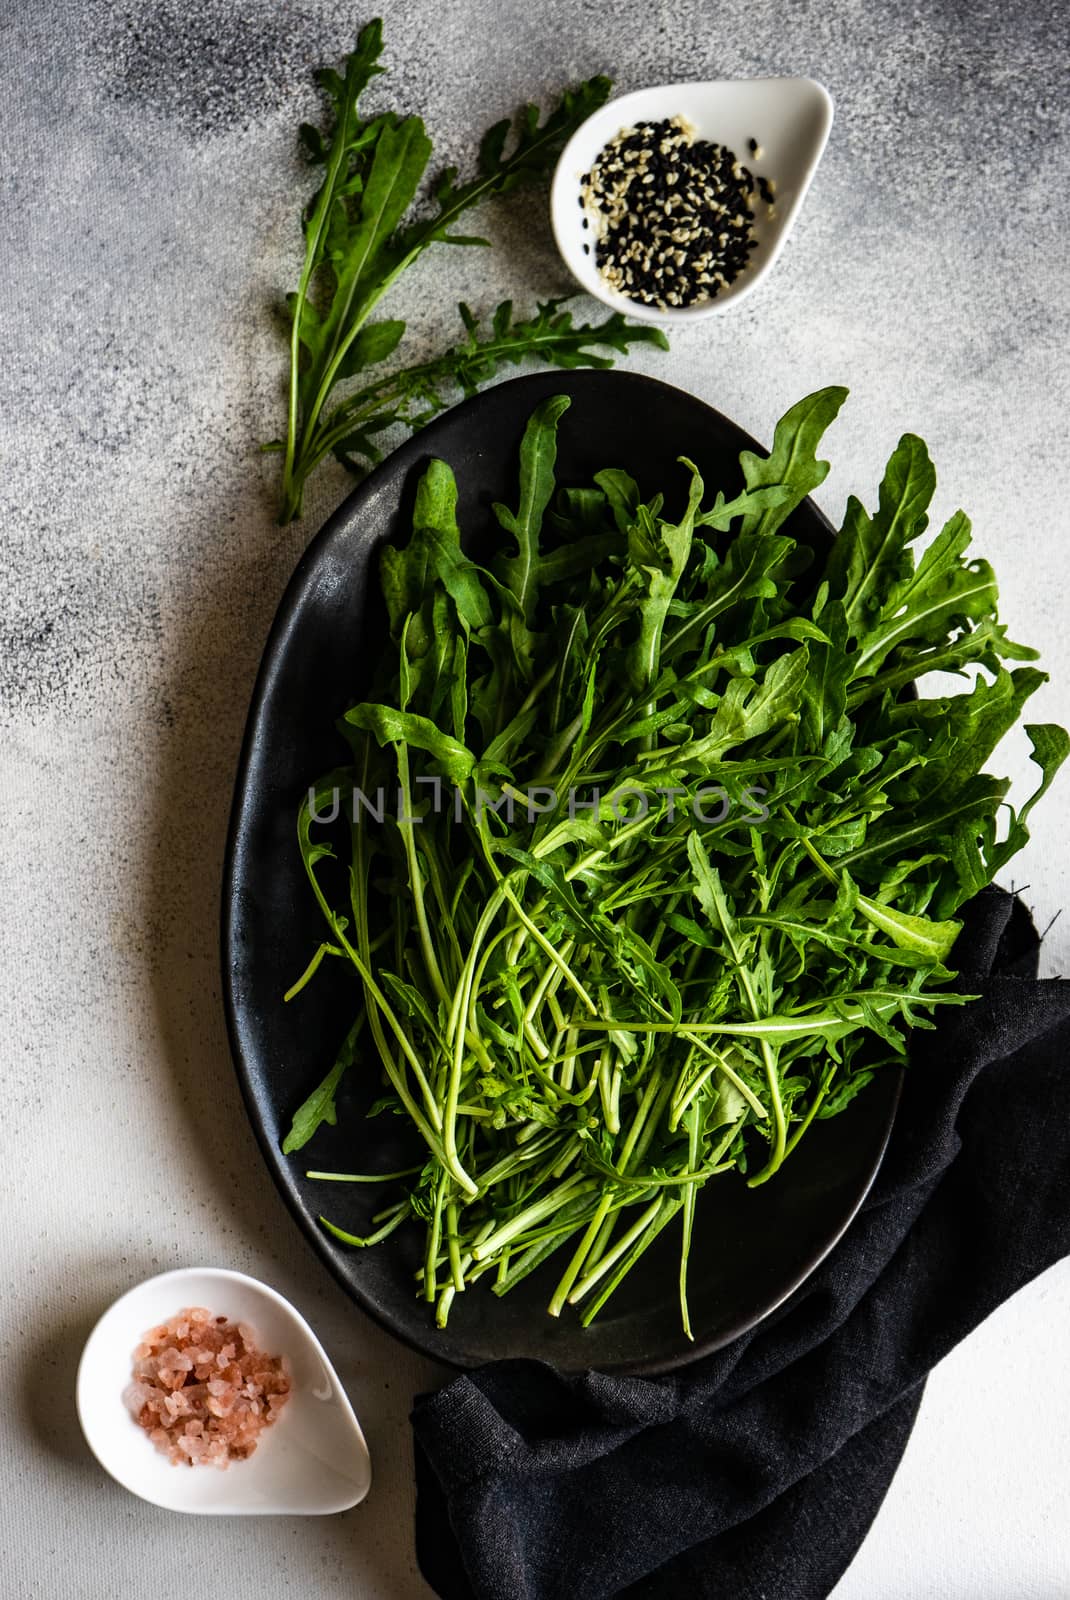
149, 193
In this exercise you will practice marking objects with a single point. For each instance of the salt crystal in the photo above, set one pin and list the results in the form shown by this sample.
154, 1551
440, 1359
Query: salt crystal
193, 1421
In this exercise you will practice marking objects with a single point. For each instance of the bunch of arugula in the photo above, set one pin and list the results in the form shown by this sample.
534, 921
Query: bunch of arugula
588, 1013
358, 244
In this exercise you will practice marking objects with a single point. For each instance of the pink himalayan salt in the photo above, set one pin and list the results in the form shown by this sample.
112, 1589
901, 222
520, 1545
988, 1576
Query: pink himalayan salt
202, 1390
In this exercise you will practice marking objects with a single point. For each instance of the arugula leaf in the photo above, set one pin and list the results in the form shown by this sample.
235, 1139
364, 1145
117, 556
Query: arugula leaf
432, 555
519, 573
320, 1108
1050, 748
407, 728
358, 243
749, 708
792, 463
359, 250
659, 551
870, 560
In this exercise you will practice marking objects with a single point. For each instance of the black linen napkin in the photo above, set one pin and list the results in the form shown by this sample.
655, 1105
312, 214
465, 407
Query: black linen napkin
757, 1471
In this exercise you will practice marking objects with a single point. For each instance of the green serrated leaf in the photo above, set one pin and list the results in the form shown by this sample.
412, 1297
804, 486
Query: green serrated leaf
320, 1107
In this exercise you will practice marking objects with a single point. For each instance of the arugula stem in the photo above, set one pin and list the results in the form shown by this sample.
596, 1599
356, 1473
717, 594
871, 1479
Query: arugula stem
376, 1237
597, 1237
814, 1107
364, 1177
458, 1022
536, 1212
376, 1002
311, 970
690, 1195
406, 828
667, 1209
456, 1267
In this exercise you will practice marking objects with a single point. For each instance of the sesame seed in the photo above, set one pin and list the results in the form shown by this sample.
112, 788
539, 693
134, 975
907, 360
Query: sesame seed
671, 214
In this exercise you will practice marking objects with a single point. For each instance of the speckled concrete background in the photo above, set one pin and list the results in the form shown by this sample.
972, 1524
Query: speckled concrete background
149, 192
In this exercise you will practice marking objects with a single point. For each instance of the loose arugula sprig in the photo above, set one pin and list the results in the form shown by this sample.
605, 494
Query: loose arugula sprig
415, 394
357, 245
587, 1013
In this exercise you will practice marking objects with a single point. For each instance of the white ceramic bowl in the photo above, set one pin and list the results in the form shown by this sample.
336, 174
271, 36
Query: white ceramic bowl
311, 1461
789, 117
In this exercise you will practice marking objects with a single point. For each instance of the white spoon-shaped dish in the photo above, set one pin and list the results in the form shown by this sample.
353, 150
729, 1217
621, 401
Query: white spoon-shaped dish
790, 119
313, 1460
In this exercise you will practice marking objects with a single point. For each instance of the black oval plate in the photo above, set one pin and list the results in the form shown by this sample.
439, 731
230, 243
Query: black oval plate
751, 1247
